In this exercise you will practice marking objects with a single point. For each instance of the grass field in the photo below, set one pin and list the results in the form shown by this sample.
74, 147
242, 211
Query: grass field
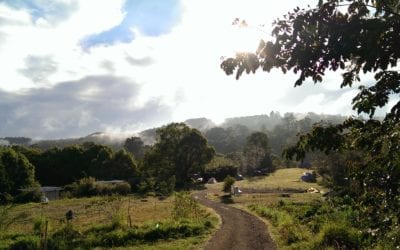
286, 178
89, 211
130, 211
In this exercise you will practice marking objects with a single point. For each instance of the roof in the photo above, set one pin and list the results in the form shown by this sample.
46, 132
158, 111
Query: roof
110, 182
49, 189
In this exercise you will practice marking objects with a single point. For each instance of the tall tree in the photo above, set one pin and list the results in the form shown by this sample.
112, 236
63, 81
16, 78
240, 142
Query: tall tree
353, 37
135, 146
257, 152
180, 151
16, 172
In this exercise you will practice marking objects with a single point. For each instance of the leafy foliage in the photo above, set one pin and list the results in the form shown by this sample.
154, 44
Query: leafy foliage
16, 172
179, 153
257, 153
219, 168
228, 140
228, 183
63, 166
353, 37
87, 187
135, 145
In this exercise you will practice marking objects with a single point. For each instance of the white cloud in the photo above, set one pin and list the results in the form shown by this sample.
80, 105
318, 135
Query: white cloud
179, 70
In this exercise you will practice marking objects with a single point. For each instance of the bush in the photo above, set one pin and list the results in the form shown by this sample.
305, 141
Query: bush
65, 238
228, 182
31, 195
87, 187
220, 172
39, 225
170, 229
25, 243
339, 236
185, 206
122, 188
5, 198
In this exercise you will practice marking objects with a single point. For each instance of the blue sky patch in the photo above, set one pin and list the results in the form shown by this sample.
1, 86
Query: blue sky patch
151, 17
52, 11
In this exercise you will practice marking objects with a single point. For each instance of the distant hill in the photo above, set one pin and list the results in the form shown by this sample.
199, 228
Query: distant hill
116, 141
202, 124
269, 122
112, 140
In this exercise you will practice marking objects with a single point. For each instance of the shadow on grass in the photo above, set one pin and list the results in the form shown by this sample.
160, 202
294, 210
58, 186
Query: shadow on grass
256, 178
200, 186
227, 199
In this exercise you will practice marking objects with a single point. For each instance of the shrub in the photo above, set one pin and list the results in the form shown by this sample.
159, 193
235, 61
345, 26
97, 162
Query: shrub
170, 229
87, 187
39, 225
185, 206
5, 198
65, 238
122, 188
220, 169
228, 182
25, 243
339, 236
30, 195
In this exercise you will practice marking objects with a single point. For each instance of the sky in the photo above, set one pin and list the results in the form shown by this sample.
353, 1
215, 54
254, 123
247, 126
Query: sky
73, 67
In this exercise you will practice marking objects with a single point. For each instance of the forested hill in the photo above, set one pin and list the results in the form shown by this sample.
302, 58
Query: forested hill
269, 122
226, 137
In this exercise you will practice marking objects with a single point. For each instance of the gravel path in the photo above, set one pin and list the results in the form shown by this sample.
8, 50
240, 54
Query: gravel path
239, 229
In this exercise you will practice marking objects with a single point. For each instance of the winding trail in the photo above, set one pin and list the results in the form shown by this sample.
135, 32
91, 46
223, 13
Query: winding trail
239, 230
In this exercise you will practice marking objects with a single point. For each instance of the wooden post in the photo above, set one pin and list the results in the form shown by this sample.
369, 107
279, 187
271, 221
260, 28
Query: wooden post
45, 235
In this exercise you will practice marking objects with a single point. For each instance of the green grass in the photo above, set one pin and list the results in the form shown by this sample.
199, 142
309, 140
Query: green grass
312, 225
295, 220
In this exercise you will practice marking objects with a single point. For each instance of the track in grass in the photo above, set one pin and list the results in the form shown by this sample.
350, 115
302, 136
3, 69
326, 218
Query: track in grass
239, 229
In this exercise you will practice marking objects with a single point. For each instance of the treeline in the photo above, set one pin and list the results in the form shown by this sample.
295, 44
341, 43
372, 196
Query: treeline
179, 157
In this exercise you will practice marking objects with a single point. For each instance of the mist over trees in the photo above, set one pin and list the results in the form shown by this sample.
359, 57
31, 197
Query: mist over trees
177, 155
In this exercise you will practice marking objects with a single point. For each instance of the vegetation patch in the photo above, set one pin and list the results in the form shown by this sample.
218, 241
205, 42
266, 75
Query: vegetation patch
311, 226
183, 219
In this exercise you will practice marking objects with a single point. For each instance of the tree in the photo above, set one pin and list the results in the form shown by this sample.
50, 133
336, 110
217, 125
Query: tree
257, 153
135, 145
122, 166
228, 183
180, 151
16, 172
228, 140
353, 37
219, 168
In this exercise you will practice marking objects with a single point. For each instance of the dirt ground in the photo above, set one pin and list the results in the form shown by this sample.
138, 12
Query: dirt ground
239, 229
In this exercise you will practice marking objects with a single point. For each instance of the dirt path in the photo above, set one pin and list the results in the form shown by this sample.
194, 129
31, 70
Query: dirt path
239, 230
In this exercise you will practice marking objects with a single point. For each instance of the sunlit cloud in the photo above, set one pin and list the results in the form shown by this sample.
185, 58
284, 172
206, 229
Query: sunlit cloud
168, 54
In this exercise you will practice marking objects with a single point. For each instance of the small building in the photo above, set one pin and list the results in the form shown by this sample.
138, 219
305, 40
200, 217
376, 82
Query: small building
110, 182
308, 177
51, 193
212, 180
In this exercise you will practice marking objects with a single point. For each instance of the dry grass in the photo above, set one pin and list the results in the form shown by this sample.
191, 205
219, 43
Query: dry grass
90, 211
100, 210
279, 181
286, 178
273, 198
